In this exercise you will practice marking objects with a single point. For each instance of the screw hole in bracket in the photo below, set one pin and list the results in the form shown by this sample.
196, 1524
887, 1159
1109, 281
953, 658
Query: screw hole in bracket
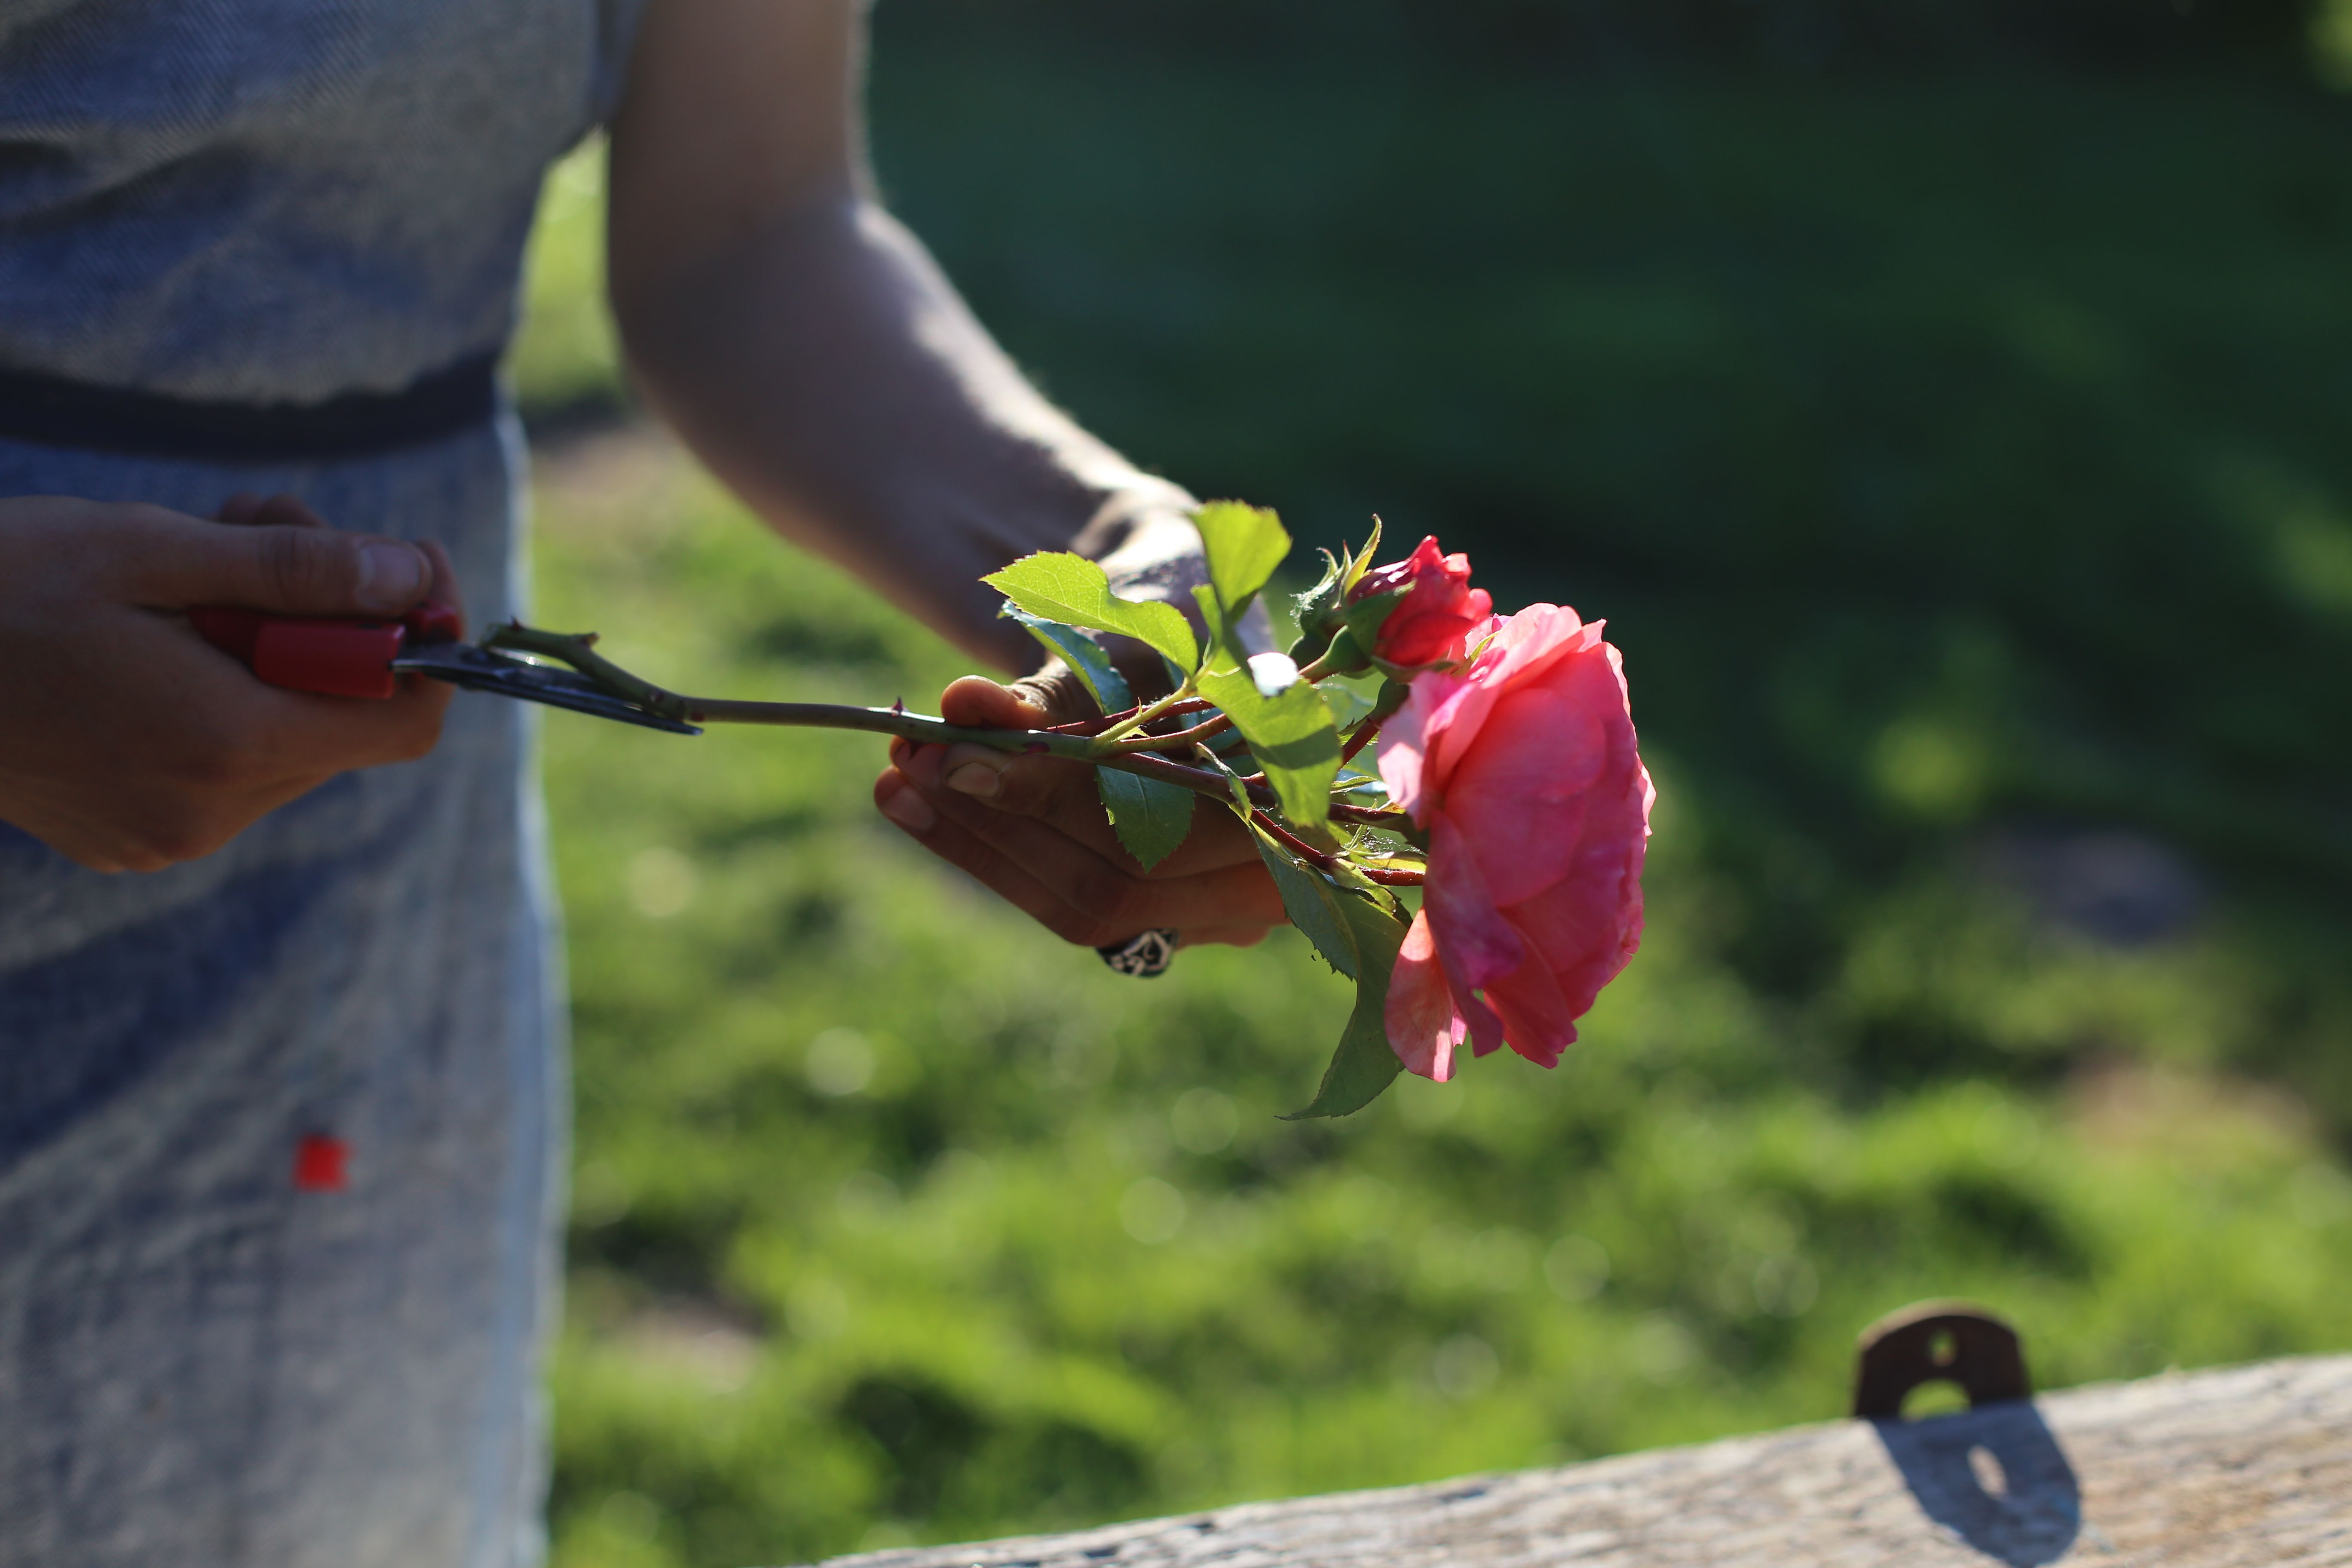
1952, 1342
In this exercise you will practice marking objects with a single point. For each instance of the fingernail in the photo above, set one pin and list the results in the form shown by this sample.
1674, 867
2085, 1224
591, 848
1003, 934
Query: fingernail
974, 778
922, 765
909, 811
391, 577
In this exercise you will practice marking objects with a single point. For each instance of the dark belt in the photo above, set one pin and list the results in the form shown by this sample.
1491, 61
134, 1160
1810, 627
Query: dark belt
56, 412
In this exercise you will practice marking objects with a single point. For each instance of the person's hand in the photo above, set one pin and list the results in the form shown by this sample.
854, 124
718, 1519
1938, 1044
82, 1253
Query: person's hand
1033, 829
127, 742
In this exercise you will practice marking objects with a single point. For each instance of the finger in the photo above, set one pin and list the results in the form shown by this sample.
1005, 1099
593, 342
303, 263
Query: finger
292, 740
1047, 790
906, 806
283, 510
204, 715
1058, 690
444, 589
173, 562
153, 822
1111, 892
1066, 795
246, 509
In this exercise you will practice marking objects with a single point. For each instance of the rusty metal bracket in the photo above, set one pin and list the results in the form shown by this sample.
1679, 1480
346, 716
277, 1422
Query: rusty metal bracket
1927, 1342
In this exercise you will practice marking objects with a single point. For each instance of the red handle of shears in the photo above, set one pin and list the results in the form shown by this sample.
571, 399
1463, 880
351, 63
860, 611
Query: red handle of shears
334, 658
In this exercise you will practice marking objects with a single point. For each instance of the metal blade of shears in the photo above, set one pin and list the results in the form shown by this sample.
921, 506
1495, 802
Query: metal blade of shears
479, 670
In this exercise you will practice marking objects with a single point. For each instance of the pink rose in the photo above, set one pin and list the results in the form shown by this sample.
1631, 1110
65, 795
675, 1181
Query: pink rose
1523, 770
1439, 605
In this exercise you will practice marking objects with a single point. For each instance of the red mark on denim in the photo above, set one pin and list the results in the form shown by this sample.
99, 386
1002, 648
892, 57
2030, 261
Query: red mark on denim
320, 1163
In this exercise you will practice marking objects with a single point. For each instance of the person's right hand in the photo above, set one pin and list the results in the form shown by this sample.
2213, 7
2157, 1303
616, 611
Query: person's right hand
127, 742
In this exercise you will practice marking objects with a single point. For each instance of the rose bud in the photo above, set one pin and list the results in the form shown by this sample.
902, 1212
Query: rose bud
1437, 612
1523, 771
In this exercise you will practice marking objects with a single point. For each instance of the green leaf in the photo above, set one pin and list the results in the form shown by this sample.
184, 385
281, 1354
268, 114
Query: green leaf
1151, 818
1225, 650
1082, 654
1244, 544
1311, 902
1364, 1063
1291, 736
1347, 702
1358, 931
1059, 586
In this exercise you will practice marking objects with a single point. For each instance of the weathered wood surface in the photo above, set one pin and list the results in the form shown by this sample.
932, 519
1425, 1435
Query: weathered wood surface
2249, 1466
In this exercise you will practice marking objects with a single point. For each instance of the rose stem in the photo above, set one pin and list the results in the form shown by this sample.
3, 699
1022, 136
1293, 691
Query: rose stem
574, 649
1098, 725
938, 732
1216, 726
1318, 859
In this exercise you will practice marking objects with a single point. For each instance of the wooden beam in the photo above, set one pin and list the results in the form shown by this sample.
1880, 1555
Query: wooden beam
2250, 1464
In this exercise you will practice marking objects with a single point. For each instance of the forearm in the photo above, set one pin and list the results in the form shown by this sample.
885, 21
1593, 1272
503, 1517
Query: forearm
825, 369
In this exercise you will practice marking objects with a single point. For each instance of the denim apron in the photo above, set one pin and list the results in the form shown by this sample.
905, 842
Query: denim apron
280, 1130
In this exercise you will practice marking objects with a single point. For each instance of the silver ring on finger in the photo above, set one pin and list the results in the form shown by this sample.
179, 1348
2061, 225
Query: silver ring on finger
1144, 956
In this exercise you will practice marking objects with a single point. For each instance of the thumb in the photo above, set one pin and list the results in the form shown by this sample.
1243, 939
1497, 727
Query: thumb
1054, 695
979, 703
179, 562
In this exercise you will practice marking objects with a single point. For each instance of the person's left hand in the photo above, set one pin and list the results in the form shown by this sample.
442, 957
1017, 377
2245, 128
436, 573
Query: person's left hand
1033, 829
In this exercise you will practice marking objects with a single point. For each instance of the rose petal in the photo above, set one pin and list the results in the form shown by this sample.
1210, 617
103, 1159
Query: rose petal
1519, 796
1580, 933
1538, 1020
1524, 645
1583, 928
1401, 759
1424, 1027
1474, 943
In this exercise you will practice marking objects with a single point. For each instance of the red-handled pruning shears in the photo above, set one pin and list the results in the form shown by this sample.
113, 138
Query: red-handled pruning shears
337, 657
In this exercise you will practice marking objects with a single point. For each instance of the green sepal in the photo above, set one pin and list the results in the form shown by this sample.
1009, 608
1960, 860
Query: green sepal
1081, 653
1325, 596
1150, 817
1345, 655
1365, 617
1292, 738
1357, 564
1059, 586
1318, 609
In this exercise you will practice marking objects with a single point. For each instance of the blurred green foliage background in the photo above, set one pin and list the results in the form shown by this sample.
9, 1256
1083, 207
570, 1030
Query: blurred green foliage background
1947, 406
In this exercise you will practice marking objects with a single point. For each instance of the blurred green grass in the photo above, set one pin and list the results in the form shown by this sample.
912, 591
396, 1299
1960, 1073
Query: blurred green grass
1959, 463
